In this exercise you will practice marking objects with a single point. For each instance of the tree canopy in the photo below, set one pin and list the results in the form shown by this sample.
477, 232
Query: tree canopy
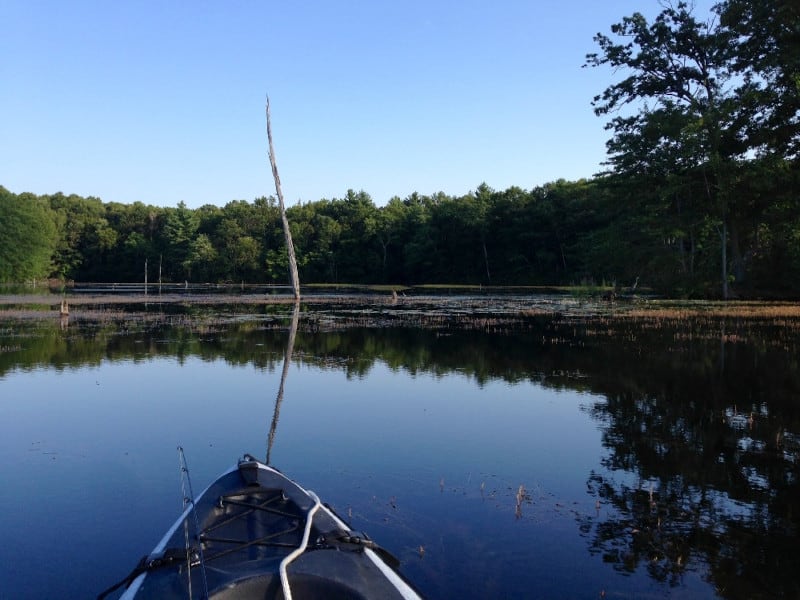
702, 106
27, 237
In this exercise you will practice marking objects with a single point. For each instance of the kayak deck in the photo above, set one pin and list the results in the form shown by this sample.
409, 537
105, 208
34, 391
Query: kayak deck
249, 521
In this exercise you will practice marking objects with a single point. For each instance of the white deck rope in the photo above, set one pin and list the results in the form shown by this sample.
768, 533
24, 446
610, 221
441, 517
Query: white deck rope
287, 592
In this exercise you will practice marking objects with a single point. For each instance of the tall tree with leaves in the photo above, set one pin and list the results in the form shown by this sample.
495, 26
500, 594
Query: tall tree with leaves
678, 74
765, 49
27, 237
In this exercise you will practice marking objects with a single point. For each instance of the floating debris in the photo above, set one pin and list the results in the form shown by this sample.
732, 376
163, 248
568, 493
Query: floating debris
521, 495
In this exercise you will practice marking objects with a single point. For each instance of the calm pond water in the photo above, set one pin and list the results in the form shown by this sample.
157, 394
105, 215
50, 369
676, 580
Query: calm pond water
500, 448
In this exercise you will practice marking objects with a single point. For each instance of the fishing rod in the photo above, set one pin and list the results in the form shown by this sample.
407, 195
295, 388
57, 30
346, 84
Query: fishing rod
186, 482
157, 560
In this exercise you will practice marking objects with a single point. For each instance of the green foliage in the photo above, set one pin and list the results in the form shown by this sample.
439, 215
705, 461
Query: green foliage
27, 237
765, 56
706, 108
652, 228
201, 258
180, 229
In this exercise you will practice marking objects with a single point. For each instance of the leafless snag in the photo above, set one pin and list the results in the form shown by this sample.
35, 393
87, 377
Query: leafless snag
287, 234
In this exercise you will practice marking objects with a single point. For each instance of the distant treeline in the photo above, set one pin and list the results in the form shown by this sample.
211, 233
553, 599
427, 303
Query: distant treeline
605, 230
702, 195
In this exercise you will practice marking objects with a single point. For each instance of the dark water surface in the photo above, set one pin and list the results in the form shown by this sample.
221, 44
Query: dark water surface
502, 449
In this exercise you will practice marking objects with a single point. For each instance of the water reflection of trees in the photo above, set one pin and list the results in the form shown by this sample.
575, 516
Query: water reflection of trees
701, 468
686, 486
700, 420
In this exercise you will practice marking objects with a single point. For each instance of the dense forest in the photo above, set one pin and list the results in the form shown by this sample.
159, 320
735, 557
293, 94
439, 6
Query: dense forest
701, 196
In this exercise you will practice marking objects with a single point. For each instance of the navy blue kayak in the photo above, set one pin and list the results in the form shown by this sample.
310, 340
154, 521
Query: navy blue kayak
255, 533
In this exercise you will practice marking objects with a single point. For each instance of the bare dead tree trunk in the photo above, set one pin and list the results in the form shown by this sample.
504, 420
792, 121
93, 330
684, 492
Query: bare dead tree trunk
294, 278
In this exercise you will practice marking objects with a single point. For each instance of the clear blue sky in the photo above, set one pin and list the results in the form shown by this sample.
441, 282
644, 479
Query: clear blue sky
164, 101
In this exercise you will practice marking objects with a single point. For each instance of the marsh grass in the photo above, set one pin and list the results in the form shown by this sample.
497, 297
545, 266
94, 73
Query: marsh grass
733, 310
577, 319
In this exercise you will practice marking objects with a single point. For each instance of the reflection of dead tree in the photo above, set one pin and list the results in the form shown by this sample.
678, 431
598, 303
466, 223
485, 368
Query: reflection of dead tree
287, 359
287, 234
